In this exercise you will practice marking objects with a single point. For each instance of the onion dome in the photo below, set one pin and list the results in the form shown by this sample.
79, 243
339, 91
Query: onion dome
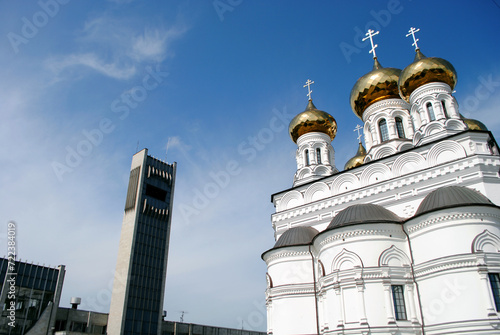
378, 84
474, 124
425, 70
296, 236
451, 196
358, 159
312, 120
363, 213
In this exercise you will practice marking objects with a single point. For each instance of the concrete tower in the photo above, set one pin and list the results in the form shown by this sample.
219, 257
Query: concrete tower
137, 299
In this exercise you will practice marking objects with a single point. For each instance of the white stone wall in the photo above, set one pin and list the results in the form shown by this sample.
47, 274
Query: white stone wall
290, 294
452, 251
398, 183
309, 167
361, 262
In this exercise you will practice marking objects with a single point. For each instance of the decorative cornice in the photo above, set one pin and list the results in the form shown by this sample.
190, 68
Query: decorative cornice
446, 264
459, 138
288, 290
313, 136
285, 254
480, 326
386, 103
449, 217
364, 191
361, 232
428, 89
351, 277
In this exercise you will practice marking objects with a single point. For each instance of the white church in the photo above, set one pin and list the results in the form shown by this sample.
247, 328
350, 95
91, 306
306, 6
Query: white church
404, 240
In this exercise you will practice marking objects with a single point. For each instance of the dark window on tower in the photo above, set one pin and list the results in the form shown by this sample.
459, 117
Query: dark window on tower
156, 192
306, 157
400, 128
443, 104
318, 155
495, 288
430, 109
399, 302
384, 132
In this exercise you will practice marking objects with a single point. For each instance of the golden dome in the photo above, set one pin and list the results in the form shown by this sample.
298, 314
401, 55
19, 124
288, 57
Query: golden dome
357, 160
425, 70
474, 124
378, 84
310, 120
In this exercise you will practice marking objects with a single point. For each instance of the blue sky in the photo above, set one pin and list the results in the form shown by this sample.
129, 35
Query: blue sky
218, 81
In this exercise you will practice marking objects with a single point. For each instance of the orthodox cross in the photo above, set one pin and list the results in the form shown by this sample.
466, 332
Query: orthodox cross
369, 35
358, 128
412, 32
309, 82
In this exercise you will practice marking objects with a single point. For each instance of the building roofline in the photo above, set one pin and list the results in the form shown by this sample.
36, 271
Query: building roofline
386, 157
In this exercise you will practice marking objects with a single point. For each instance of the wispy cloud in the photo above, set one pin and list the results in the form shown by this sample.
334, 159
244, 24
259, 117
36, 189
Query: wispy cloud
92, 61
118, 48
153, 44
175, 142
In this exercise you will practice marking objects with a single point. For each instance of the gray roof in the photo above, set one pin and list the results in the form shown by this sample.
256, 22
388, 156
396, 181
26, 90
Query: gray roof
363, 213
296, 236
451, 196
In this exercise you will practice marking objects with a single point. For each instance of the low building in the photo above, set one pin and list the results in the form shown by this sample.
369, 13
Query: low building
180, 328
72, 321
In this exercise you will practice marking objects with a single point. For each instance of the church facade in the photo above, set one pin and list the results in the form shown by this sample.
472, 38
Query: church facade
404, 240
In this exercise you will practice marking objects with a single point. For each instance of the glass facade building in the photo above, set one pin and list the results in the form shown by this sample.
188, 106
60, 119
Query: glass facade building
35, 296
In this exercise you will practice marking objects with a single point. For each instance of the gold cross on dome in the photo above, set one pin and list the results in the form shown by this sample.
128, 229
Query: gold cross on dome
412, 32
369, 35
358, 128
309, 82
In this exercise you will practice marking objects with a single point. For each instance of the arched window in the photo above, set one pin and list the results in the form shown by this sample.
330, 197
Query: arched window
432, 116
306, 157
384, 132
400, 128
318, 155
443, 104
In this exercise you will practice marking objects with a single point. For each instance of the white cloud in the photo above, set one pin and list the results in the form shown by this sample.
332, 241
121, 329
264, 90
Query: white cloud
118, 47
91, 60
152, 44
175, 142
